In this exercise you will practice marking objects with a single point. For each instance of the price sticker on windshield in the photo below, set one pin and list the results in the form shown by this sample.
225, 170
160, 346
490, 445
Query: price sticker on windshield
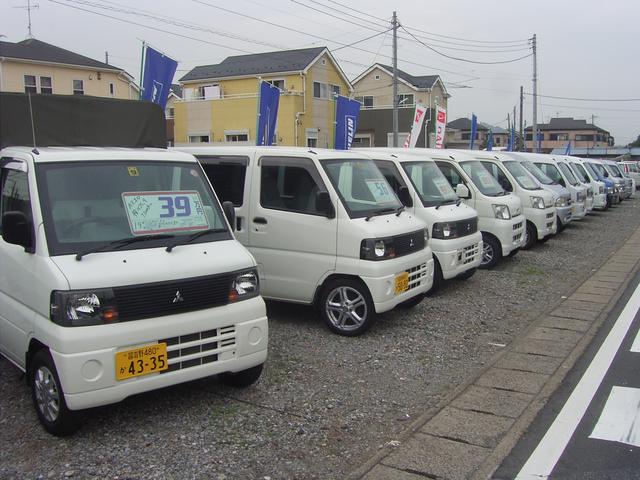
443, 186
381, 191
164, 212
485, 178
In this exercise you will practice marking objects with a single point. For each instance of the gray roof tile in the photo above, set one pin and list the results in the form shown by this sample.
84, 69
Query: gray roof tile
424, 81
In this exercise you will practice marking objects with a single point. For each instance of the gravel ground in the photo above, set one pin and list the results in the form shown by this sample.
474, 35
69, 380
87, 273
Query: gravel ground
325, 403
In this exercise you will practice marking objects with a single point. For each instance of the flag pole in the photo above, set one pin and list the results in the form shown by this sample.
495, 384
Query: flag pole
141, 69
258, 111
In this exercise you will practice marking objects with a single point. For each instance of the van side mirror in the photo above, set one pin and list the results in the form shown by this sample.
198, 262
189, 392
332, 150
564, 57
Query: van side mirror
606, 174
462, 191
16, 229
561, 181
324, 205
229, 212
405, 196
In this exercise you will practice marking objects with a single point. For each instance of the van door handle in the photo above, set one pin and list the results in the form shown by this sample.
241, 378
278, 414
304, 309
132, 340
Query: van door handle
261, 220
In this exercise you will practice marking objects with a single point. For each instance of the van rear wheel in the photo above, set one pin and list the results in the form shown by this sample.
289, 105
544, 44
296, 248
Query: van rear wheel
48, 397
346, 307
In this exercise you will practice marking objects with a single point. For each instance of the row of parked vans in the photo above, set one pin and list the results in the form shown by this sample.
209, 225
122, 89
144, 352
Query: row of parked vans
131, 269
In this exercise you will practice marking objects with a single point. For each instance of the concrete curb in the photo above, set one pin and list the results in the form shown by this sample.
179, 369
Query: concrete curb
474, 428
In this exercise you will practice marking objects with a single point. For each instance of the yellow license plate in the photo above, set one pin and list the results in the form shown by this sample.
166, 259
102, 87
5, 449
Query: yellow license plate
141, 361
402, 282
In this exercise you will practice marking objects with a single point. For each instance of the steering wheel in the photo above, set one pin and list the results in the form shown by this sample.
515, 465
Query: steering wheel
77, 224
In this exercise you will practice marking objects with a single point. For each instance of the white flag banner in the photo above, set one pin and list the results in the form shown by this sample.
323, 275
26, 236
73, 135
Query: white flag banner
418, 119
441, 123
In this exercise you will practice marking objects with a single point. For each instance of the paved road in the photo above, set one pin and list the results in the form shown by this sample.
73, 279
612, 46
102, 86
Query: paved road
590, 429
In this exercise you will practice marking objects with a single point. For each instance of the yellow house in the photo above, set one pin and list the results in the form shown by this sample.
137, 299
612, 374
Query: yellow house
38, 67
220, 102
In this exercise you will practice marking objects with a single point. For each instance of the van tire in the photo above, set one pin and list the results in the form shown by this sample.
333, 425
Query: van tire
491, 251
467, 274
346, 307
560, 225
438, 279
530, 236
48, 397
412, 302
242, 379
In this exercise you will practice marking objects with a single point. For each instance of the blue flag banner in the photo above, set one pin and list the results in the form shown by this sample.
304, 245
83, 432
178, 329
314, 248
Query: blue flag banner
539, 145
490, 141
347, 113
567, 150
474, 130
512, 139
158, 74
267, 114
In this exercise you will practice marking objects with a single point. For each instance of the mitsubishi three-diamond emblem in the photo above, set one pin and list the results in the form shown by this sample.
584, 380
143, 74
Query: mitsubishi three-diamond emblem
178, 297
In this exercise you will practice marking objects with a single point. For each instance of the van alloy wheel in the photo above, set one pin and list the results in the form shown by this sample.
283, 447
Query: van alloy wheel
46, 392
346, 307
491, 251
487, 253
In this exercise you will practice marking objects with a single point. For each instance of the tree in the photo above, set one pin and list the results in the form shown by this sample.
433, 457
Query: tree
635, 144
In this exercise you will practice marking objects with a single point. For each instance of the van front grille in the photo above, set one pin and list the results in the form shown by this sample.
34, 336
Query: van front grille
469, 254
416, 275
517, 226
198, 348
409, 243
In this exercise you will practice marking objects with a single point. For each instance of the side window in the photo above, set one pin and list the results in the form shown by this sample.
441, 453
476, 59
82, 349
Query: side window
450, 173
288, 187
227, 179
391, 173
14, 192
499, 175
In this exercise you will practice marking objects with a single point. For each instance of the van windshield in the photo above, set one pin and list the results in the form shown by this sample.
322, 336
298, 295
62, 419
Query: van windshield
521, 175
600, 169
567, 173
580, 173
482, 179
88, 205
537, 173
613, 169
432, 186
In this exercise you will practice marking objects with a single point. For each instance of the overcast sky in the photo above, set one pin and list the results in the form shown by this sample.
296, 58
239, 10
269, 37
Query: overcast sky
586, 49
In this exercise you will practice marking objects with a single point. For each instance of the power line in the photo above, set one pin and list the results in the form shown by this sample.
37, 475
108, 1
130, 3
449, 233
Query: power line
464, 59
589, 99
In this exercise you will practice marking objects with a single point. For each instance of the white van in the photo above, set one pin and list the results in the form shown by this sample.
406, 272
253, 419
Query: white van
500, 216
119, 273
561, 196
559, 172
582, 173
537, 204
325, 228
455, 239
589, 202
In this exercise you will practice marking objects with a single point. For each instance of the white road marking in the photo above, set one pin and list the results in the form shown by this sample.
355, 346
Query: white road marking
544, 458
620, 417
636, 343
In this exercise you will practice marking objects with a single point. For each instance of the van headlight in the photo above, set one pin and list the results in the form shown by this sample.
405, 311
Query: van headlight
377, 249
244, 285
537, 202
81, 308
561, 202
502, 212
600, 189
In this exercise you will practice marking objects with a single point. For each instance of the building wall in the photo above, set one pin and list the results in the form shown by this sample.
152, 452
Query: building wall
237, 109
547, 145
95, 83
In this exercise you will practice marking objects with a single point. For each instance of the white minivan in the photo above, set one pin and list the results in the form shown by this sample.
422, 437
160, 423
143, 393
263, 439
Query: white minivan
120, 274
325, 228
559, 172
500, 216
582, 173
537, 204
455, 239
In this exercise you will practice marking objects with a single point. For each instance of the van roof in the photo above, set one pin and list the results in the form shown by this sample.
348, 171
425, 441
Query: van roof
250, 150
76, 154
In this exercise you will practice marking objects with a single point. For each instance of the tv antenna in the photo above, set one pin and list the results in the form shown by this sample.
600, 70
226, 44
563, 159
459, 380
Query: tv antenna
28, 8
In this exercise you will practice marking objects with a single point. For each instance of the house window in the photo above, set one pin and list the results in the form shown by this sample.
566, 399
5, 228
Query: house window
321, 90
559, 136
405, 100
198, 138
312, 137
231, 136
78, 87
45, 85
335, 89
377, 77
584, 138
169, 113
496, 140
366, 101
362, 140
276, 83
112, 89
208, 92
30, 84
467, 136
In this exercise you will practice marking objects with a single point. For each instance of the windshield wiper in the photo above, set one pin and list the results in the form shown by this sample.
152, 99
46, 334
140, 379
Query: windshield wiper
193, 236
120, 243
382, 211
448, 202
399, 210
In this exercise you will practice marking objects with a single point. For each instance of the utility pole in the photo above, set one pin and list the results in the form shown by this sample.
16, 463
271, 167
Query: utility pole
521, 113
106, 58
535, 96
595, 131
395, 79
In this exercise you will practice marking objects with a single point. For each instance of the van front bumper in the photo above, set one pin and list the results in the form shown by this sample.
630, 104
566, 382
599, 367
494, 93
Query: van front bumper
380, 278
564, 214
510, 232
458, 255
578, 210
600, 201
199, 344
544, 220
